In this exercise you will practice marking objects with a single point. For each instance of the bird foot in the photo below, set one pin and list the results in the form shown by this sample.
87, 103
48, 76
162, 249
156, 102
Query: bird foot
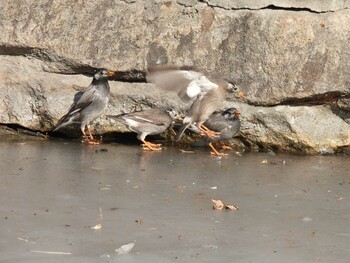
210, 134
92, 141
226, 147
151, 146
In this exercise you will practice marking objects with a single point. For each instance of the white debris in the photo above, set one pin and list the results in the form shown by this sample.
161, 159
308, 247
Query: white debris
97, 227
307, 219
125, 249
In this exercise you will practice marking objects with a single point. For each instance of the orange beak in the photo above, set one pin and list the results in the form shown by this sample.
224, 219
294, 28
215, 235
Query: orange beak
241, 94
111, 73
237, 113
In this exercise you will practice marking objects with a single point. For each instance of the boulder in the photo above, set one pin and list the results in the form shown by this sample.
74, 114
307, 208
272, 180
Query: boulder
290, 58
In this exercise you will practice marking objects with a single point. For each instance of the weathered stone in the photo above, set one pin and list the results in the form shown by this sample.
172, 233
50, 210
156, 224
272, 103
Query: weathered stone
291, 58
306, 129
36, 99
297, 5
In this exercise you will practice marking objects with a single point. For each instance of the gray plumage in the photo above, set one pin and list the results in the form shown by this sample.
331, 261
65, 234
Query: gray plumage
147, 122
189, 83
90, 105
226, 122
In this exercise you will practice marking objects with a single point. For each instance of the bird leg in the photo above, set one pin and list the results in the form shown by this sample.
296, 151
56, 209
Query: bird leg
151, 146
207, 132
215, 152
90, 134
90, 139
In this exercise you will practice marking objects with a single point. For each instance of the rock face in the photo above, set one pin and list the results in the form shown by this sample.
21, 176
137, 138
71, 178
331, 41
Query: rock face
290, 58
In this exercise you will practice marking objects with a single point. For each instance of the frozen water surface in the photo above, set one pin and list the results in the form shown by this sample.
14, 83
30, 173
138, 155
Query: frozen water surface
67, 202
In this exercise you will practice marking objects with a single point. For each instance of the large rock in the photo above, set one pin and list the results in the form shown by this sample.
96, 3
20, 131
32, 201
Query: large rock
291, 58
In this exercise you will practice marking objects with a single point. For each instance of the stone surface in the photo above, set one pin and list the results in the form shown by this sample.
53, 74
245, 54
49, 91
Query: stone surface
301, 5
291, 58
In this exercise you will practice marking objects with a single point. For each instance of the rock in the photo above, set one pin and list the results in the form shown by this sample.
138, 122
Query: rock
287, 128
297, 5
36, 99
291, 58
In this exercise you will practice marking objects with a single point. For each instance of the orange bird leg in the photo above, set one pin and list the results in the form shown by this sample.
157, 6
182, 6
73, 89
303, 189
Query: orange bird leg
215, 152
208, 132
151, 146
90, 134
85, 138
90, 140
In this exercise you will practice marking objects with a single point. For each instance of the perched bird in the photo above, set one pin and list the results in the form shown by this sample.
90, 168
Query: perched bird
147, 122
190, 83
226, 123
89, 106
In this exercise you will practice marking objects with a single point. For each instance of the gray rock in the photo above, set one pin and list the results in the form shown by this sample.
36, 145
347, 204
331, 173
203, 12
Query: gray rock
291, 58
298, 129
297, 5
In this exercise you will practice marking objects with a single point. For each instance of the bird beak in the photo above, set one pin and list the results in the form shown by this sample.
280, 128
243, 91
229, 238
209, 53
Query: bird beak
111, 73
241, 94
237, 113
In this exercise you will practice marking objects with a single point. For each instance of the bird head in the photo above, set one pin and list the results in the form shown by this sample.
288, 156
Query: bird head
173, 114
103, 74
232, 87
231, 113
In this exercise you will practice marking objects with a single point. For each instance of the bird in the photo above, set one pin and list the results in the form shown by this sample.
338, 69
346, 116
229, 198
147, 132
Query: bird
89, 106
192, 84
226, 123
147, 122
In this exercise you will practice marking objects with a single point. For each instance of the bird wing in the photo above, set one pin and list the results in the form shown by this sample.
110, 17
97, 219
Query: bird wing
74, 110
187, 82
148, 116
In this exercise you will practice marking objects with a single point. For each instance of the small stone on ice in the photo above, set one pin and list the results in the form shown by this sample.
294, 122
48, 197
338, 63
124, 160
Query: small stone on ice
125, 249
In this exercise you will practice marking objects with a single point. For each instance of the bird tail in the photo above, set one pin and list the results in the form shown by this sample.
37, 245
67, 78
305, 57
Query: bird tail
182, 130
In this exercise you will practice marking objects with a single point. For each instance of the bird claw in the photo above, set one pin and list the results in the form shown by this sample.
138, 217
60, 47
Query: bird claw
151, 146
92, 141
211, 134
226, 147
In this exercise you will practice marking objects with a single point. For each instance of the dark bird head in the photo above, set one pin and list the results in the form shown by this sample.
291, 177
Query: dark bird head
231, 113
103, 74
173, 113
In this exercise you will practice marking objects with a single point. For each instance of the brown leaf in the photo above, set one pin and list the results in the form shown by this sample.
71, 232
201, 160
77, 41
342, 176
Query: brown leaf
231, 207
218, 204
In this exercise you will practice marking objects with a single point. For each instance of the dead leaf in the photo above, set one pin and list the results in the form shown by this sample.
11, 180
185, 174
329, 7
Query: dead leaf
231, 207
338, 197
218, 204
